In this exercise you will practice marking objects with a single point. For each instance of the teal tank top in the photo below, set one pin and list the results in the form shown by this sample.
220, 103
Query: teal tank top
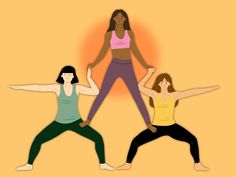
67, 106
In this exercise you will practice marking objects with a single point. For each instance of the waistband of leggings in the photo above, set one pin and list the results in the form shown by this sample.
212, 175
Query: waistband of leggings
164, 126
121, 61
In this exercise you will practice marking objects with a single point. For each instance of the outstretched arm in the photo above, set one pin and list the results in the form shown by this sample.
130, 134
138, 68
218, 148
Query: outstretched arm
193, 92
147, 91
136, 51
103, 50
37, 88
92, 90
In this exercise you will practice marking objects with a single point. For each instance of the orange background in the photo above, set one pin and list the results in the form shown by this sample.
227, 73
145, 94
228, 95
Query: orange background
92, 44
194, 41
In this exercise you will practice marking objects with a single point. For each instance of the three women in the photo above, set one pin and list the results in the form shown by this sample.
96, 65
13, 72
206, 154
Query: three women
163, 98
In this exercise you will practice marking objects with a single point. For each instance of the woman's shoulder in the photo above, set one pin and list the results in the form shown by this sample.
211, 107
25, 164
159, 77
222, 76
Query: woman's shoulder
57, 88
130, 32
156, 95
108, 35
173, 95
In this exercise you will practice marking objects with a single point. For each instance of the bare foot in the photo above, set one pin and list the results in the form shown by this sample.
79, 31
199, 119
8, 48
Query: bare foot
26, 167
105, 166
125, 166
200, 167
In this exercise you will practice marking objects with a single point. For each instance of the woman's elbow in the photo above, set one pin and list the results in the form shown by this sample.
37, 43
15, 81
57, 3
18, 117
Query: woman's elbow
96, 92
140, 87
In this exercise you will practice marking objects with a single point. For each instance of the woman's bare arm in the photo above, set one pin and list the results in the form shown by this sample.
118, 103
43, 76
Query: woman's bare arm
194, 91
103, 50
38, 88
147, 91
92, 90
136, 51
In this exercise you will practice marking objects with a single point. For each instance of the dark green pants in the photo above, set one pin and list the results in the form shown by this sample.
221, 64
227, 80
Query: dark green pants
54, 129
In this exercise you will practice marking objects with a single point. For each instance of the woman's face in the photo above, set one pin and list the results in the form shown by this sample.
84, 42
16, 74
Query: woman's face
67, 77
164, 84
119, 19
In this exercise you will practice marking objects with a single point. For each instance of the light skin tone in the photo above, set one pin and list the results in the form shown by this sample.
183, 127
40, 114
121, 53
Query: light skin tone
120, 53
55, 88
68, 88
164, 84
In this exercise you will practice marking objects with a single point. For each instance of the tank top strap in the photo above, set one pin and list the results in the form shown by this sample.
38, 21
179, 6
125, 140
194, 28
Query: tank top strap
126, 32
74, 90
61, 90
113, 34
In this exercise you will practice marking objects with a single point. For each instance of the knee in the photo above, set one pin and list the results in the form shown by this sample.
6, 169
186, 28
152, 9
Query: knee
38, 140
193, 141
99, 139
135, 143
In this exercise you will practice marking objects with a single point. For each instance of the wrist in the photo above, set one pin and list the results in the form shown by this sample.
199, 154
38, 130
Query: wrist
149, 73
92, 65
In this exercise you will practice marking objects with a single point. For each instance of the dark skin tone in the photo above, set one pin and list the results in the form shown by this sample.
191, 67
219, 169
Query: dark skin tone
120, 53
124, 54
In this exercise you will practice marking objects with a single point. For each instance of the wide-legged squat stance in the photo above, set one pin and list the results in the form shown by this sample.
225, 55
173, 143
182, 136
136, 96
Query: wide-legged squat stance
121, 40
164, 99
68, 116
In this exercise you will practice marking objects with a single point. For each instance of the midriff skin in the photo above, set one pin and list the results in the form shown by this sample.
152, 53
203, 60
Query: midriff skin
123, 54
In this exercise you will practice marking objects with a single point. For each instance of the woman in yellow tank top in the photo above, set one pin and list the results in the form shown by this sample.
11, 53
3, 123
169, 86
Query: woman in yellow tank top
164, 99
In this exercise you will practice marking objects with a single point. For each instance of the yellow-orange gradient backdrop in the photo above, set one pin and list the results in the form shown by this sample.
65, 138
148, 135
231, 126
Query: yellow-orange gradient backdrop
194, 41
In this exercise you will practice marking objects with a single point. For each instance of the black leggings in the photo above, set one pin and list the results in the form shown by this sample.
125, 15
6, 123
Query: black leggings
175, 131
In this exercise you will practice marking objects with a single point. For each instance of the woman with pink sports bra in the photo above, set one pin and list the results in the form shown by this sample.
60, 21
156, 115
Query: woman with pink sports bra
120, 39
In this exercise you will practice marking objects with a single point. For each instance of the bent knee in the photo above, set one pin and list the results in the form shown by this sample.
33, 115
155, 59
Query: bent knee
193, 140
135, 143
98, 139
37, 141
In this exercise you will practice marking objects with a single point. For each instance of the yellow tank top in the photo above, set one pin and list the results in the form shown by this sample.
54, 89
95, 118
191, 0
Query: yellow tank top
164, 110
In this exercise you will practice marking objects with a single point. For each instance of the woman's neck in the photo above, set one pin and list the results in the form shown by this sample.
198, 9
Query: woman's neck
164, 91
119, 28
67, 84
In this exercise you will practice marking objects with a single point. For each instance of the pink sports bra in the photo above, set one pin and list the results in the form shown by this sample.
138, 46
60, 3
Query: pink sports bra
117, 43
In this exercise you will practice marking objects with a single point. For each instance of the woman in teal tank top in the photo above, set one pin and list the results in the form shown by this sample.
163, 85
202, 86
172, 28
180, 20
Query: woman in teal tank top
68, 117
